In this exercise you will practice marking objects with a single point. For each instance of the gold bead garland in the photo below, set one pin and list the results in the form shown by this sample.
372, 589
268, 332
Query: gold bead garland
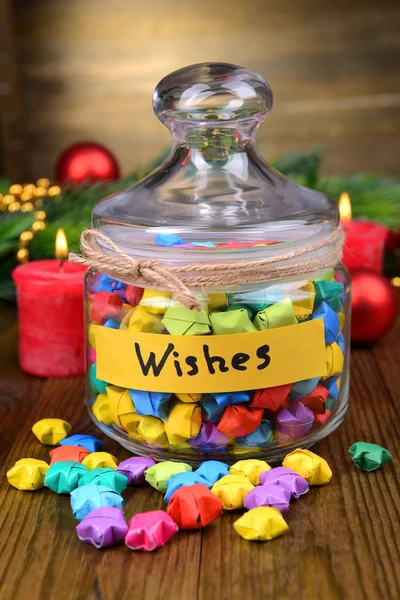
29, 198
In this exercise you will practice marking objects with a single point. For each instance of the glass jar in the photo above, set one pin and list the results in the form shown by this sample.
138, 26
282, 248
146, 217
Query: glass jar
260, 366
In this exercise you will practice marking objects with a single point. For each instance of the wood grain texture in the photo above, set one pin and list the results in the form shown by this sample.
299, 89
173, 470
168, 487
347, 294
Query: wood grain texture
88, 70
343, 540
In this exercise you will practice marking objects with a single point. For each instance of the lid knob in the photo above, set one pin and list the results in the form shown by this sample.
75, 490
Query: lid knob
212, 92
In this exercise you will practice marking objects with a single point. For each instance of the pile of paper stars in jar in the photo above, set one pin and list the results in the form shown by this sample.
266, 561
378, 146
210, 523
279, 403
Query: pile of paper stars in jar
95, 482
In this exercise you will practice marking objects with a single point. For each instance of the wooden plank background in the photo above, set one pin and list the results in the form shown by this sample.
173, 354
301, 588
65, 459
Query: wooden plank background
12, 149
88, 69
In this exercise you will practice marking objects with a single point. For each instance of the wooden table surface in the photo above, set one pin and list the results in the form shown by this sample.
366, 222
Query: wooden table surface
343, 540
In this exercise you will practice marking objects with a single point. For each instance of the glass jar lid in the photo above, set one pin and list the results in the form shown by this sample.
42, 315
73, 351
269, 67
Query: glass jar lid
214, 195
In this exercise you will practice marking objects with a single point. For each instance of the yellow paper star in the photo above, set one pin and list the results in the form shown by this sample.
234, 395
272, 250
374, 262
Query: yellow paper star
28, 474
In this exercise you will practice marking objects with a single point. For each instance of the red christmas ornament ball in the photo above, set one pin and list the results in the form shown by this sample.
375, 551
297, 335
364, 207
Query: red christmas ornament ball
86, 162
374, 306
393, 240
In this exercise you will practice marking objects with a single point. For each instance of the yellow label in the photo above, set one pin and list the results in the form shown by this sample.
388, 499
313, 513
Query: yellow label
215, 363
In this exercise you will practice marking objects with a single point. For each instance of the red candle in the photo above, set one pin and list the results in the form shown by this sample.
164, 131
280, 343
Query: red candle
365, 240
51, 318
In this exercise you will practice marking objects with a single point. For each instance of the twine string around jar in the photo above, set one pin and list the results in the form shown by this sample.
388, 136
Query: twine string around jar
181, 280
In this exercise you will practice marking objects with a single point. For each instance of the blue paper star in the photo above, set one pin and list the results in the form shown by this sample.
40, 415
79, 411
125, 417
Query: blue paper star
112, 324
168, 239
88, 497
302, 388
332, 386
91, 443
211, 412
259, 437
340, 342
331, 321
108, 284
211, 471
150, 403
229, 398
181, 480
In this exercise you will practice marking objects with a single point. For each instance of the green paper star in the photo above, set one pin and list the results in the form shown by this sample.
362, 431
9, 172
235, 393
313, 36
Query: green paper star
179, 320
105, 476
369, 457
231, 321
64, 477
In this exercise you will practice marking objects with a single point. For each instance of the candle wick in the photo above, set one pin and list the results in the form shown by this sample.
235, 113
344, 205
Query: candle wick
62, 261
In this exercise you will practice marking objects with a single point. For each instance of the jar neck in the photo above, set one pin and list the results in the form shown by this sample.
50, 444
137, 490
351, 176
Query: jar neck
213, 142
229, 135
